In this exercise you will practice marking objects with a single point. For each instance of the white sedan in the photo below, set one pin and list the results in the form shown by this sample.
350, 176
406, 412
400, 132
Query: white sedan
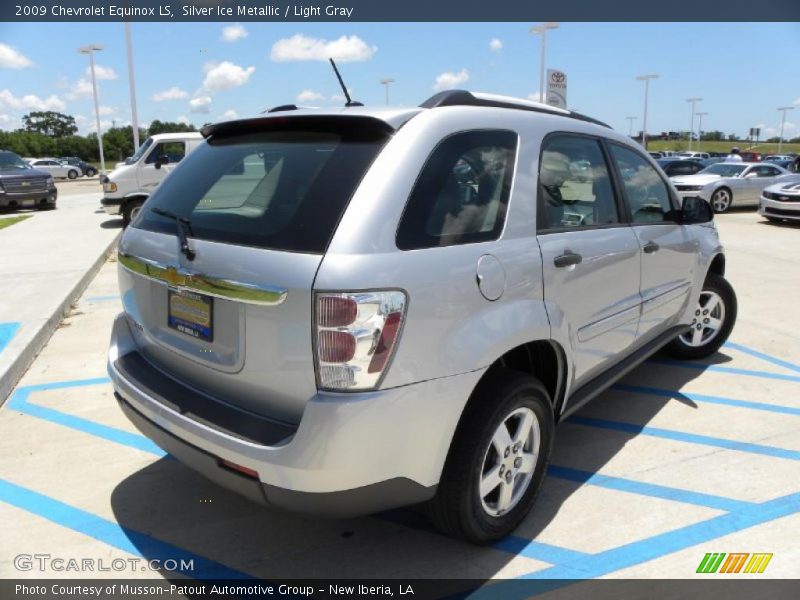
729, 184
55, 168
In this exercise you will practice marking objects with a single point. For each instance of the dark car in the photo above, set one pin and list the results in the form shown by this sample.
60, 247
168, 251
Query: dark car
85, 167
676, 166
22, 186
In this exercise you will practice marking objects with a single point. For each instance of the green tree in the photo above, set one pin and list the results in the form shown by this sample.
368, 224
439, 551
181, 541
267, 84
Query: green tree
50, 123
169, 127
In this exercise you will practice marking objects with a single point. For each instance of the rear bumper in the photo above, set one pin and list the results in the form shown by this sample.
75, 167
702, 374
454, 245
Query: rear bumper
350, 454
112, 206
779, 210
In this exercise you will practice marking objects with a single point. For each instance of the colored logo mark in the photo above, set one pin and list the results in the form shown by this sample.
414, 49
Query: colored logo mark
734, 562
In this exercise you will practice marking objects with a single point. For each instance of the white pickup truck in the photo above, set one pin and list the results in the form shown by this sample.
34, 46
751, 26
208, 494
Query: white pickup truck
127, 187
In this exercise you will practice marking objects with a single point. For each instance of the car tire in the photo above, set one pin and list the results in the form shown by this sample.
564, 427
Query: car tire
721, 200
72, 174
463, 507
774, 220
129, 211
91, 172
702, 339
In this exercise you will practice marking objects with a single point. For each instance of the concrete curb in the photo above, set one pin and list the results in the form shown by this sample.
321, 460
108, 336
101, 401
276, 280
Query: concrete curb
41, 336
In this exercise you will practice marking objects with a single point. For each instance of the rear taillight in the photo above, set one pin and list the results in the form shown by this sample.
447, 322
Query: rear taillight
356, 334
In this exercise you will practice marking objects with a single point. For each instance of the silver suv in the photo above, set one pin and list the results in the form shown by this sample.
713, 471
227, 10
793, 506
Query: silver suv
342, 311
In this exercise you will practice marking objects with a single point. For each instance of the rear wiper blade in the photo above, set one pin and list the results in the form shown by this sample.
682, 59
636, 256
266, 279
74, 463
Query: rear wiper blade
184, 225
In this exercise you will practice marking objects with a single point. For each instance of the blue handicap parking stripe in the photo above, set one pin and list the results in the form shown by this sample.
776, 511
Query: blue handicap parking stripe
112, 533
764, 356
722, 369
521, 546
649, 391
691, 438
647, 489
7, 331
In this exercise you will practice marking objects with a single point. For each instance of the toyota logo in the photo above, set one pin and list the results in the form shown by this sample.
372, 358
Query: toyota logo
557, 77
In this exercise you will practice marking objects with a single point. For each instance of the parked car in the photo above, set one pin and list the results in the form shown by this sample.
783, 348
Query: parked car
694, 155
784, 163
749, 156
22, 186
86, 169
55, 168
127, 187
656, 155
707, 162
780, 202
727, 184
677, 166
324, 312
777, 157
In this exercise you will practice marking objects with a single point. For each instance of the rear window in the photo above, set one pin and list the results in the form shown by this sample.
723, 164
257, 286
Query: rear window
282, 189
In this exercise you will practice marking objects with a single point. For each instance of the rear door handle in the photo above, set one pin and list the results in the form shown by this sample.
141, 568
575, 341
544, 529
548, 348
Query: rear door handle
567, 259
650, 247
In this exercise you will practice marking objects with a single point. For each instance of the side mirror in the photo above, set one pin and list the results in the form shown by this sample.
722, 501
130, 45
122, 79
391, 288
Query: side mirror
163, 159
696, 210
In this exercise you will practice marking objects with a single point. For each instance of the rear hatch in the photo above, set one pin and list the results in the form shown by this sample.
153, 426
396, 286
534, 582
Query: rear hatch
217, 271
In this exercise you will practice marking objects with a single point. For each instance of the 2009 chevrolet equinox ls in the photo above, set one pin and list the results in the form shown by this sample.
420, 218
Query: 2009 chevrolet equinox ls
341, 311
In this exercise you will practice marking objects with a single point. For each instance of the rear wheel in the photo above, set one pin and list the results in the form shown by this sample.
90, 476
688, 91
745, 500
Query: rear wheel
712, 322
130, 210
497, 460
721, 200
90, 172
72, 174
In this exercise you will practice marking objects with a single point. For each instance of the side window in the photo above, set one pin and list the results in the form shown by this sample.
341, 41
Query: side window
648, 195
174, 151
574, 186
683, 167
765, 171
461, 194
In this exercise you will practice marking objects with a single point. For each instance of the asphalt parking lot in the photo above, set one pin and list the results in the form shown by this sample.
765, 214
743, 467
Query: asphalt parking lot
676, 461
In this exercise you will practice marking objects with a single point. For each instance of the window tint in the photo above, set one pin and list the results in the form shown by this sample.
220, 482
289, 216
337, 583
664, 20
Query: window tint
574, 186
284, 189
461, 194
648, 195
683, 167
174, 151
765, 171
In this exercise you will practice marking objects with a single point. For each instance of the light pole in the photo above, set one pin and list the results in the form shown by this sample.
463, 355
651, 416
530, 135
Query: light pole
132, 86
90, 50
386, 83
542, 30
692, 101
630, 125
646, 79
700, 116
783, 109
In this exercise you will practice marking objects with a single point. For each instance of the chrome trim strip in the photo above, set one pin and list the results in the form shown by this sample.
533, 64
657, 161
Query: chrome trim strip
219, 287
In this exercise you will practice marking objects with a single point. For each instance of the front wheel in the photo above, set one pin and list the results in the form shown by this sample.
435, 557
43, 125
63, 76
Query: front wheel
721, 200
712, 321
497, 460
130, 210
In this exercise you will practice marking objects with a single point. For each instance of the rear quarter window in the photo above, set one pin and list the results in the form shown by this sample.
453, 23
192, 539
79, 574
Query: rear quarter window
461, 194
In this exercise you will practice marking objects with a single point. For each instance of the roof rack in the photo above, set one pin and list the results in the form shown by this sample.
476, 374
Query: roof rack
465, 98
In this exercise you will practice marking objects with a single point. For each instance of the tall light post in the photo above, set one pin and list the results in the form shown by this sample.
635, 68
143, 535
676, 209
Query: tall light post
386, 83
132, 87
630, 125
693, 102
700, 116
783, 109
646, 79
542, 30
90, 50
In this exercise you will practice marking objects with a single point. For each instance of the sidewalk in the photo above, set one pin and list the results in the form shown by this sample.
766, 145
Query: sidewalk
45, 263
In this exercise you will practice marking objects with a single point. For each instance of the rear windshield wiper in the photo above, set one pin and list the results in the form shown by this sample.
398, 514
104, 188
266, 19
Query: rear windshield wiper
184, 225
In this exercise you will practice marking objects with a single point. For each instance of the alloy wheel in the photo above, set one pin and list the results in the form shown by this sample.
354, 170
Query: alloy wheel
709, 317
721, 200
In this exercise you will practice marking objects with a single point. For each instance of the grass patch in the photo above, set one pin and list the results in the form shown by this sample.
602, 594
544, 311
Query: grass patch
678, 145
9, 221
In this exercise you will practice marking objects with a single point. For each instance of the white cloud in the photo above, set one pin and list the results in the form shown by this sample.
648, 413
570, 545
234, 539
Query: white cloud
309, 96
225, 75
299, 47
448, 80
183, 119
495, 45
80, 89
8, 122
173, 93
11, 58
101, 73
233, 33
107, 110
30, 102
229, 114
201, 104
536, 97
797, 102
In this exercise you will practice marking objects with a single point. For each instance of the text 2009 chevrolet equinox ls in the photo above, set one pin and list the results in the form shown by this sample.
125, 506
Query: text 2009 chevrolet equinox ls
346, 310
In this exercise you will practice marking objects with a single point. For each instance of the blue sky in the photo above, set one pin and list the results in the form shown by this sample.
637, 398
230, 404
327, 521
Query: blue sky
743, 71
